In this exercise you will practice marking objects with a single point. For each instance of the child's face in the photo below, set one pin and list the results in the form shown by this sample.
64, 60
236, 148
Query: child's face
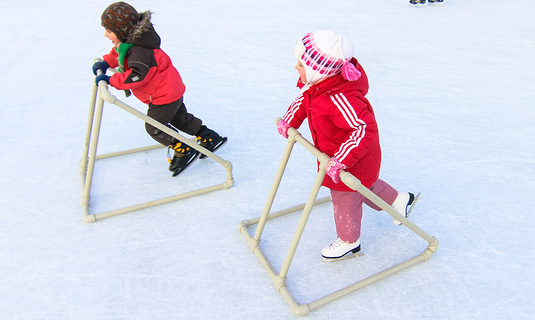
301, 69
110, 35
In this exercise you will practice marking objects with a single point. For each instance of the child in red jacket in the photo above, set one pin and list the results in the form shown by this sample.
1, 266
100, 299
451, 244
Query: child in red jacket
147, 71
342, 123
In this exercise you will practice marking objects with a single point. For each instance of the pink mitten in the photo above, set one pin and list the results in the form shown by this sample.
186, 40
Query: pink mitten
333, 169
283, 127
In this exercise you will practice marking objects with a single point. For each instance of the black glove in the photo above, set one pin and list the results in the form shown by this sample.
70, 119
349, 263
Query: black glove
102, 65
102, 77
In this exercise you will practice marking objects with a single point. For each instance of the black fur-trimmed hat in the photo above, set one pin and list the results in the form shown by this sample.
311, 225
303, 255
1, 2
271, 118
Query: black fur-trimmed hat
120, 18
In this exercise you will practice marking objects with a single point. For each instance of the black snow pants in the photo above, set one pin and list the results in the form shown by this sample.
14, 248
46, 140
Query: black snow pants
175, 116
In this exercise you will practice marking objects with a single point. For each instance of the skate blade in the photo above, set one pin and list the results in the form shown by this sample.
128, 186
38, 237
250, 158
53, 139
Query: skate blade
414, 203
222, 143
179, 171
347, 256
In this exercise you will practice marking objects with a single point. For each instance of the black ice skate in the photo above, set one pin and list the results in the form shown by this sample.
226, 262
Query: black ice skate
417, 1
210, 140
435, 1
183, 157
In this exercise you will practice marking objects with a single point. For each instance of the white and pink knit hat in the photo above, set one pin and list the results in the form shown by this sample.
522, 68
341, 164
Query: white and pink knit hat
324, 54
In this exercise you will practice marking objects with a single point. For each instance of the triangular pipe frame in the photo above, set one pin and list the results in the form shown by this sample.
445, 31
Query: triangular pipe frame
87, 163
279, 278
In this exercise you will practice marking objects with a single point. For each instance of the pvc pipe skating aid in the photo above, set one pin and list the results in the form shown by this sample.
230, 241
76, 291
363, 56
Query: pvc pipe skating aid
279, 279
98, 96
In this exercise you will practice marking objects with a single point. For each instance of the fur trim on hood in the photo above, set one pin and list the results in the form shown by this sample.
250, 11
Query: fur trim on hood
142, 26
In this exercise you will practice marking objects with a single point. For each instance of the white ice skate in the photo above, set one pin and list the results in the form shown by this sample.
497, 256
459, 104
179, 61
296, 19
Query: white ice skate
404, 203
340, 249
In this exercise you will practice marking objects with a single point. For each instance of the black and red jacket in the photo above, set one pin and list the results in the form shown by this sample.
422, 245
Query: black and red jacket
148, 70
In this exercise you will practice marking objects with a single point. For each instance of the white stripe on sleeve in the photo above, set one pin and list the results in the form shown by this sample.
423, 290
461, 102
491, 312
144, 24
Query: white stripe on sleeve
292, 109
352, 119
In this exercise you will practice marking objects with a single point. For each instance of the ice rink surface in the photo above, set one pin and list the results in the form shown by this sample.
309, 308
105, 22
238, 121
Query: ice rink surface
453, 91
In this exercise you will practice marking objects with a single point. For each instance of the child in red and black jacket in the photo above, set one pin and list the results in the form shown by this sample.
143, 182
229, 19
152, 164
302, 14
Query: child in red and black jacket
147, 71
342, 123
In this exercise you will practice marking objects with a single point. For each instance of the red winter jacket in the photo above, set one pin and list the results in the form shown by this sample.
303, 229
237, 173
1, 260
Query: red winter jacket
342, 123
149, 72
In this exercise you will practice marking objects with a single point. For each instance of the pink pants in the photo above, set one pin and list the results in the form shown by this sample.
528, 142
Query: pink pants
348, 208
